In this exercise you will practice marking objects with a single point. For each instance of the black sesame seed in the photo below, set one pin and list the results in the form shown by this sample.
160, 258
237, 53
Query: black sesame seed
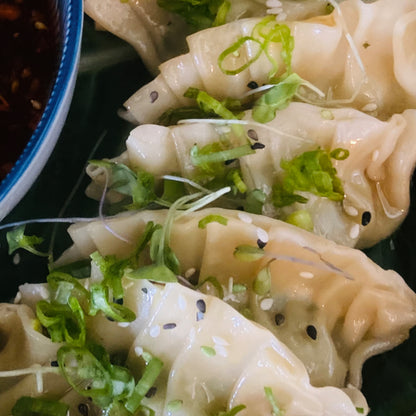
83, 409
144, 289
54, 364
366, 218
261, 244
229, 161
311, 331
151, 392
118, 301
252, 134
252, 85
154, 95
169, 326
279, 319
258, 145
110, 319
200, 304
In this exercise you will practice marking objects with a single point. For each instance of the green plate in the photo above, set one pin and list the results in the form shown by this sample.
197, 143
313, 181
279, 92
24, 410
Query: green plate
110, 72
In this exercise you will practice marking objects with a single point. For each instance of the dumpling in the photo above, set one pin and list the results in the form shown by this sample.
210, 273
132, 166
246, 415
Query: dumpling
23, 346
158, 35
375, 176
360, 55
329, 304
212, 363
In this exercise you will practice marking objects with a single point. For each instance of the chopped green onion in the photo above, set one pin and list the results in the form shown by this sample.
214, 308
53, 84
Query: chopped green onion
209, 104
212, 218
310, 172
263, 281
361, 410
233, 411
221, 17
174, 405
86, 374
151, 373
235, 48
112, 269
64, 285
154, 272
65, 323
201, 158
339, 154
270, 397
238, 181
17, 239
28, 406
254, 201
248, 253
208, 351
276, 98
301, 218
239, 288
99, 302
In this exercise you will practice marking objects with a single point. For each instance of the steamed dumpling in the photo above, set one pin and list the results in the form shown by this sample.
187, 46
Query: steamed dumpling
375, 176
158, 35
244, 358
373, 71
339, 307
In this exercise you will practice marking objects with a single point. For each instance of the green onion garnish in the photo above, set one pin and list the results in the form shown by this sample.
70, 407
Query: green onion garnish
27, 406
151, 373
212, 218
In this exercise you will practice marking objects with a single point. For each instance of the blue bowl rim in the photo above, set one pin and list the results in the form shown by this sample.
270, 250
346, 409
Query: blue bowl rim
41, 140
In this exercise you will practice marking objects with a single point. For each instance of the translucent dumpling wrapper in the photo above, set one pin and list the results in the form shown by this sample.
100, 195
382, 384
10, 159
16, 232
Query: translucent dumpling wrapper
158, 35
331, 305
360, 55
243, 358
375, 176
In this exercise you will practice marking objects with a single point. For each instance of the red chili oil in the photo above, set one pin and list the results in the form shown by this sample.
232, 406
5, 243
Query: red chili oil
29, 58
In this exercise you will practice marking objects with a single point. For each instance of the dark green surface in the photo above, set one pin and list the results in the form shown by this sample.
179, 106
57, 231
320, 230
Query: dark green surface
109, 73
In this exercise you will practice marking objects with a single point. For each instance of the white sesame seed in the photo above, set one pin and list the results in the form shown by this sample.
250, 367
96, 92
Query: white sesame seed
220, 350
354, 231
350, 210
138, 351
369, 107
181, 303
266, 304
262, 235
16, 259
245, 217
219, 341
154, 331
375, 156
123, 324
190, 272
18, 298
306, 275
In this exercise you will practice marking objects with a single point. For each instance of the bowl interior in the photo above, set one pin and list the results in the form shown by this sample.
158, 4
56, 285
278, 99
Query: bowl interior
43, 139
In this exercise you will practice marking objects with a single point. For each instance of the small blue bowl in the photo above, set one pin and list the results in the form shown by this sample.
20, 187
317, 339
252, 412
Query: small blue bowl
43, 139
